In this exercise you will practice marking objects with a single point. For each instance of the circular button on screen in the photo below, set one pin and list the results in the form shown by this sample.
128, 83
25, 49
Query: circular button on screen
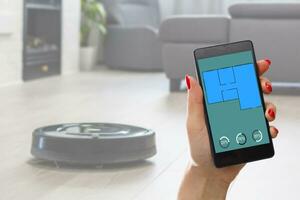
257, 136
241, 139
224, 142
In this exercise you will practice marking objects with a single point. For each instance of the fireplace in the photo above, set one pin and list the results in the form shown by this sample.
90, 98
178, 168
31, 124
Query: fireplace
41, 38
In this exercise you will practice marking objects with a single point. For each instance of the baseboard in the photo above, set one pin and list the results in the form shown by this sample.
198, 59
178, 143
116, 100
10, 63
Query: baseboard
286, 84
286, 88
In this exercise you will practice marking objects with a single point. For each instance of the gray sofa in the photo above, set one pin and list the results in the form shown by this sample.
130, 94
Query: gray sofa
132, 40
181, 35
274, 29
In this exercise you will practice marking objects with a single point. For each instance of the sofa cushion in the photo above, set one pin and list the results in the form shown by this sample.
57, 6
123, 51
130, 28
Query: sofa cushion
195, 28
265, 10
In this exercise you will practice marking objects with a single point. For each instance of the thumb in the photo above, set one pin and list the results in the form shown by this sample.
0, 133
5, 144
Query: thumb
196, 117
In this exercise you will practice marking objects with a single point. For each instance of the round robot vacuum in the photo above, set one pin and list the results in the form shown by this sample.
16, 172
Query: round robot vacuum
93, 143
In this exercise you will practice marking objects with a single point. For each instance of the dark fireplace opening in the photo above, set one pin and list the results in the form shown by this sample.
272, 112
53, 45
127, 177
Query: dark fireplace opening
42, 38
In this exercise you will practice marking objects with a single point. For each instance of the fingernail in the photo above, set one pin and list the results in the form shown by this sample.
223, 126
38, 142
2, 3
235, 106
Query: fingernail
269, 87
271, 113
276, 130
188, 82
268, 61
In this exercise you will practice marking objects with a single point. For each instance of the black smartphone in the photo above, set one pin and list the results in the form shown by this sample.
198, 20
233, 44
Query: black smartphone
235, 111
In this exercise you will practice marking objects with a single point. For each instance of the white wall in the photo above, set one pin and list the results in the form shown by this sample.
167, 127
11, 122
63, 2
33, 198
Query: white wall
11, 32
198, 7
11, 12
70, 36
166, 7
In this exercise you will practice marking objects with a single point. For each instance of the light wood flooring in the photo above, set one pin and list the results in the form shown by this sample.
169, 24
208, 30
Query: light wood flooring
135, 98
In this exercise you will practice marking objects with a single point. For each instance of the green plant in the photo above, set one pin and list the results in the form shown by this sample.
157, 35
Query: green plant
92, 15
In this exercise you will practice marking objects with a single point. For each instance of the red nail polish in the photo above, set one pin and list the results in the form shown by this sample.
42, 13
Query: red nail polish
269, 87
268, 61
188, 82
271, 113
276, 130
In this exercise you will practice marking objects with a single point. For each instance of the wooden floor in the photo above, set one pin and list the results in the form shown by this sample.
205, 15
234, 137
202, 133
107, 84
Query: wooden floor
134, 98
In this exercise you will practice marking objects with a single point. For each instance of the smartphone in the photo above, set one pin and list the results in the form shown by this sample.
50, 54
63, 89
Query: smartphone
234, 105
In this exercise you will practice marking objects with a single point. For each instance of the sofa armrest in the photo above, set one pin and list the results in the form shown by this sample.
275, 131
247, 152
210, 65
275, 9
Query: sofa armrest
195, 28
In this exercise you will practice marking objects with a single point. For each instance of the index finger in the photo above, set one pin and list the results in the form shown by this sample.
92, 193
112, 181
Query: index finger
263, 66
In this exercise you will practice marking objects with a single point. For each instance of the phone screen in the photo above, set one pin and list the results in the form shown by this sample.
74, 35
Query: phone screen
234, 106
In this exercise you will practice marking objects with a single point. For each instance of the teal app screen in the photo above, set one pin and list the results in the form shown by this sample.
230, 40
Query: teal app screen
232, 98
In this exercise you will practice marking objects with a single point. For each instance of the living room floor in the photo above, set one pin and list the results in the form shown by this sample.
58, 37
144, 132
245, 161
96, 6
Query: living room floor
135, 98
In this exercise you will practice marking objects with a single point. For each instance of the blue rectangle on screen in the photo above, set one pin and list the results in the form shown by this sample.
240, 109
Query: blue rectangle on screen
212, 86
230, 83
247, 86
230, 94
226, 76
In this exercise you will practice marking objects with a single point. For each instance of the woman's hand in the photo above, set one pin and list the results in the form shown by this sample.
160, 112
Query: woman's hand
203, 180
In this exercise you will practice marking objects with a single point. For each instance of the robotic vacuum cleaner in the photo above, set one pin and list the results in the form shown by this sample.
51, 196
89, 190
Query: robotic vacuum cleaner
93, 143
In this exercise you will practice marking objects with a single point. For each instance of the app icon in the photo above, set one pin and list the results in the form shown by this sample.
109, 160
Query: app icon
241, 138
224, 142
257, 136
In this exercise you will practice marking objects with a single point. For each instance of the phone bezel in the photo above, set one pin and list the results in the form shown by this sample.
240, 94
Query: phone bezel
243, 155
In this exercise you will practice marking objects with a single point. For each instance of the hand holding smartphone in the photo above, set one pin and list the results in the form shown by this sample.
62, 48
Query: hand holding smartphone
234, 104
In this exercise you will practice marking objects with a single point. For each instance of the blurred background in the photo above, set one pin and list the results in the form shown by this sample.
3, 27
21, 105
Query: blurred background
124, 61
